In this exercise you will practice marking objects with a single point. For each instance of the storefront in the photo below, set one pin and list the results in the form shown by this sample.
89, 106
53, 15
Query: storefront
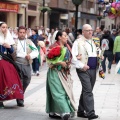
14, 12
85, 18
59, 18
33, 15
8, 13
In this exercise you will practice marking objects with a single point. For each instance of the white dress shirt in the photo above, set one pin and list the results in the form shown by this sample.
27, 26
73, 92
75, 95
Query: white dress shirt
88, 47
22, 49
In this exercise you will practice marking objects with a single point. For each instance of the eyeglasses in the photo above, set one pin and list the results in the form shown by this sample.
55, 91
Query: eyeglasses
88, 30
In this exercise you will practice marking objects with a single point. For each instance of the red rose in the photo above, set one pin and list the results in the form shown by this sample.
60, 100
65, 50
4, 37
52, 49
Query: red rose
54, 52
47, 42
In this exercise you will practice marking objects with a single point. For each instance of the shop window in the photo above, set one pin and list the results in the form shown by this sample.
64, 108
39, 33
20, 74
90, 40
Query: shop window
88, 21
32, 7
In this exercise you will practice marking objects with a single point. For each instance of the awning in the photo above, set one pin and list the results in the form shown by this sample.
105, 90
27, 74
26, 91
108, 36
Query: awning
88, 16
19, 1
8, 7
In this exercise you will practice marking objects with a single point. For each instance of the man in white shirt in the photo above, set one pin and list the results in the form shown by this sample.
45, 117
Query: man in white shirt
40, 31
24, 52
85, 60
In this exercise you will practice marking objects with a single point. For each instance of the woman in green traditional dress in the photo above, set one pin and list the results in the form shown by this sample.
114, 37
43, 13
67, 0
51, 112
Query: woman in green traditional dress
60, 100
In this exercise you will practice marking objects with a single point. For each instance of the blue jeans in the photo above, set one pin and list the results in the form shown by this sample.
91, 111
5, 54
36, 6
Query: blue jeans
107, 55
35, 65
117, 57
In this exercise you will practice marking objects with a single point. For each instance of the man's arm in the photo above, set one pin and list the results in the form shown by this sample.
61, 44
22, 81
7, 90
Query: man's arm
34, 52
78, 64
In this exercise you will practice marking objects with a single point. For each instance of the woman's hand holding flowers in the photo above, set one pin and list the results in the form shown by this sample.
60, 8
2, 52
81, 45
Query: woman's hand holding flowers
63, 64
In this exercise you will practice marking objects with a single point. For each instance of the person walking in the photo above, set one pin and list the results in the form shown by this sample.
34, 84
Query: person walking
106, 44
116, 48
36, 62
10, 84
60, 97
114, 34
24, 51
84, 54
98, 33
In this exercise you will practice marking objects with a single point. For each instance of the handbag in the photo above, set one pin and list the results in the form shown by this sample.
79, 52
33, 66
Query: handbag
117, 68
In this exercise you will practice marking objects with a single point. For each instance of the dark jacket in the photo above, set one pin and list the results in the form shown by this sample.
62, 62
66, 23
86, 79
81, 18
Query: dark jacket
109, 38
34, 38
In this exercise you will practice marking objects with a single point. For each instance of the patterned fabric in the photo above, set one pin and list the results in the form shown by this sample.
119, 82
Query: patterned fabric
59, 84
10, 85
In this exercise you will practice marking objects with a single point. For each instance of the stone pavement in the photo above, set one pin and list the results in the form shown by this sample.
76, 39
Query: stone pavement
106, 94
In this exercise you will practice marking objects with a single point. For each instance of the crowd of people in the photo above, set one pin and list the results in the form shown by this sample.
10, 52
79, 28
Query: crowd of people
22, 49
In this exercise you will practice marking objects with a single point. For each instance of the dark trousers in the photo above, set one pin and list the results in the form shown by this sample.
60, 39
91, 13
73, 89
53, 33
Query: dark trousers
86, 101
107, 55
35, 65
117, 57
25, 77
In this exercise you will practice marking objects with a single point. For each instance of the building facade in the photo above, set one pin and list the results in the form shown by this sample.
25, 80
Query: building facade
13, 12
63, 13
117, 23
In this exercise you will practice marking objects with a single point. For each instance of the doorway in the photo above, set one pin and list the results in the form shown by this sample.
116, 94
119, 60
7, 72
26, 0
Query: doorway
31, 21
19, 20
3, 17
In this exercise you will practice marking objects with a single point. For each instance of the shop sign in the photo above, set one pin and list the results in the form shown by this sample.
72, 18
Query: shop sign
8, 7
64, 16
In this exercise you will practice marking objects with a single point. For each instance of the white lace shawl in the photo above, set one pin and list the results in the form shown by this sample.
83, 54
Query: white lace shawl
6, 38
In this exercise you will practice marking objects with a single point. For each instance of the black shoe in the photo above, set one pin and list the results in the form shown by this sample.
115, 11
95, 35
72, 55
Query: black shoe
20, 102
1, 105
55, 116
82, 114
93, 116
66, 117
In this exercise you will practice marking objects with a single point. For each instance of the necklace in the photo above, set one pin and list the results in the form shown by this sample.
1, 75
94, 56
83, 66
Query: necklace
23, 46
90, 44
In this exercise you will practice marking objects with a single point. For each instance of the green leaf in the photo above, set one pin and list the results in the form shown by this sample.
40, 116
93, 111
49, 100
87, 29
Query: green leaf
45, 9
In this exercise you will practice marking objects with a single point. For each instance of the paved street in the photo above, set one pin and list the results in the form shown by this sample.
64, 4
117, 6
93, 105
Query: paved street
106, 93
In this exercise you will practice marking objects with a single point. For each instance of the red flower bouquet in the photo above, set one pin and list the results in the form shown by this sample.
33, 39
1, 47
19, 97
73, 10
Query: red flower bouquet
56, 55
46, 42
54, 52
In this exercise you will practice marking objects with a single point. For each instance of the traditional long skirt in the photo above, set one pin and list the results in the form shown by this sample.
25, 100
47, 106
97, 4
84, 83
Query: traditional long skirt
10, 84
57, 98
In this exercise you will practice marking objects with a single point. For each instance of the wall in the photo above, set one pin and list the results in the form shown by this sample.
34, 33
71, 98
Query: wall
12, 19
109, 22
118, 22
53, 3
